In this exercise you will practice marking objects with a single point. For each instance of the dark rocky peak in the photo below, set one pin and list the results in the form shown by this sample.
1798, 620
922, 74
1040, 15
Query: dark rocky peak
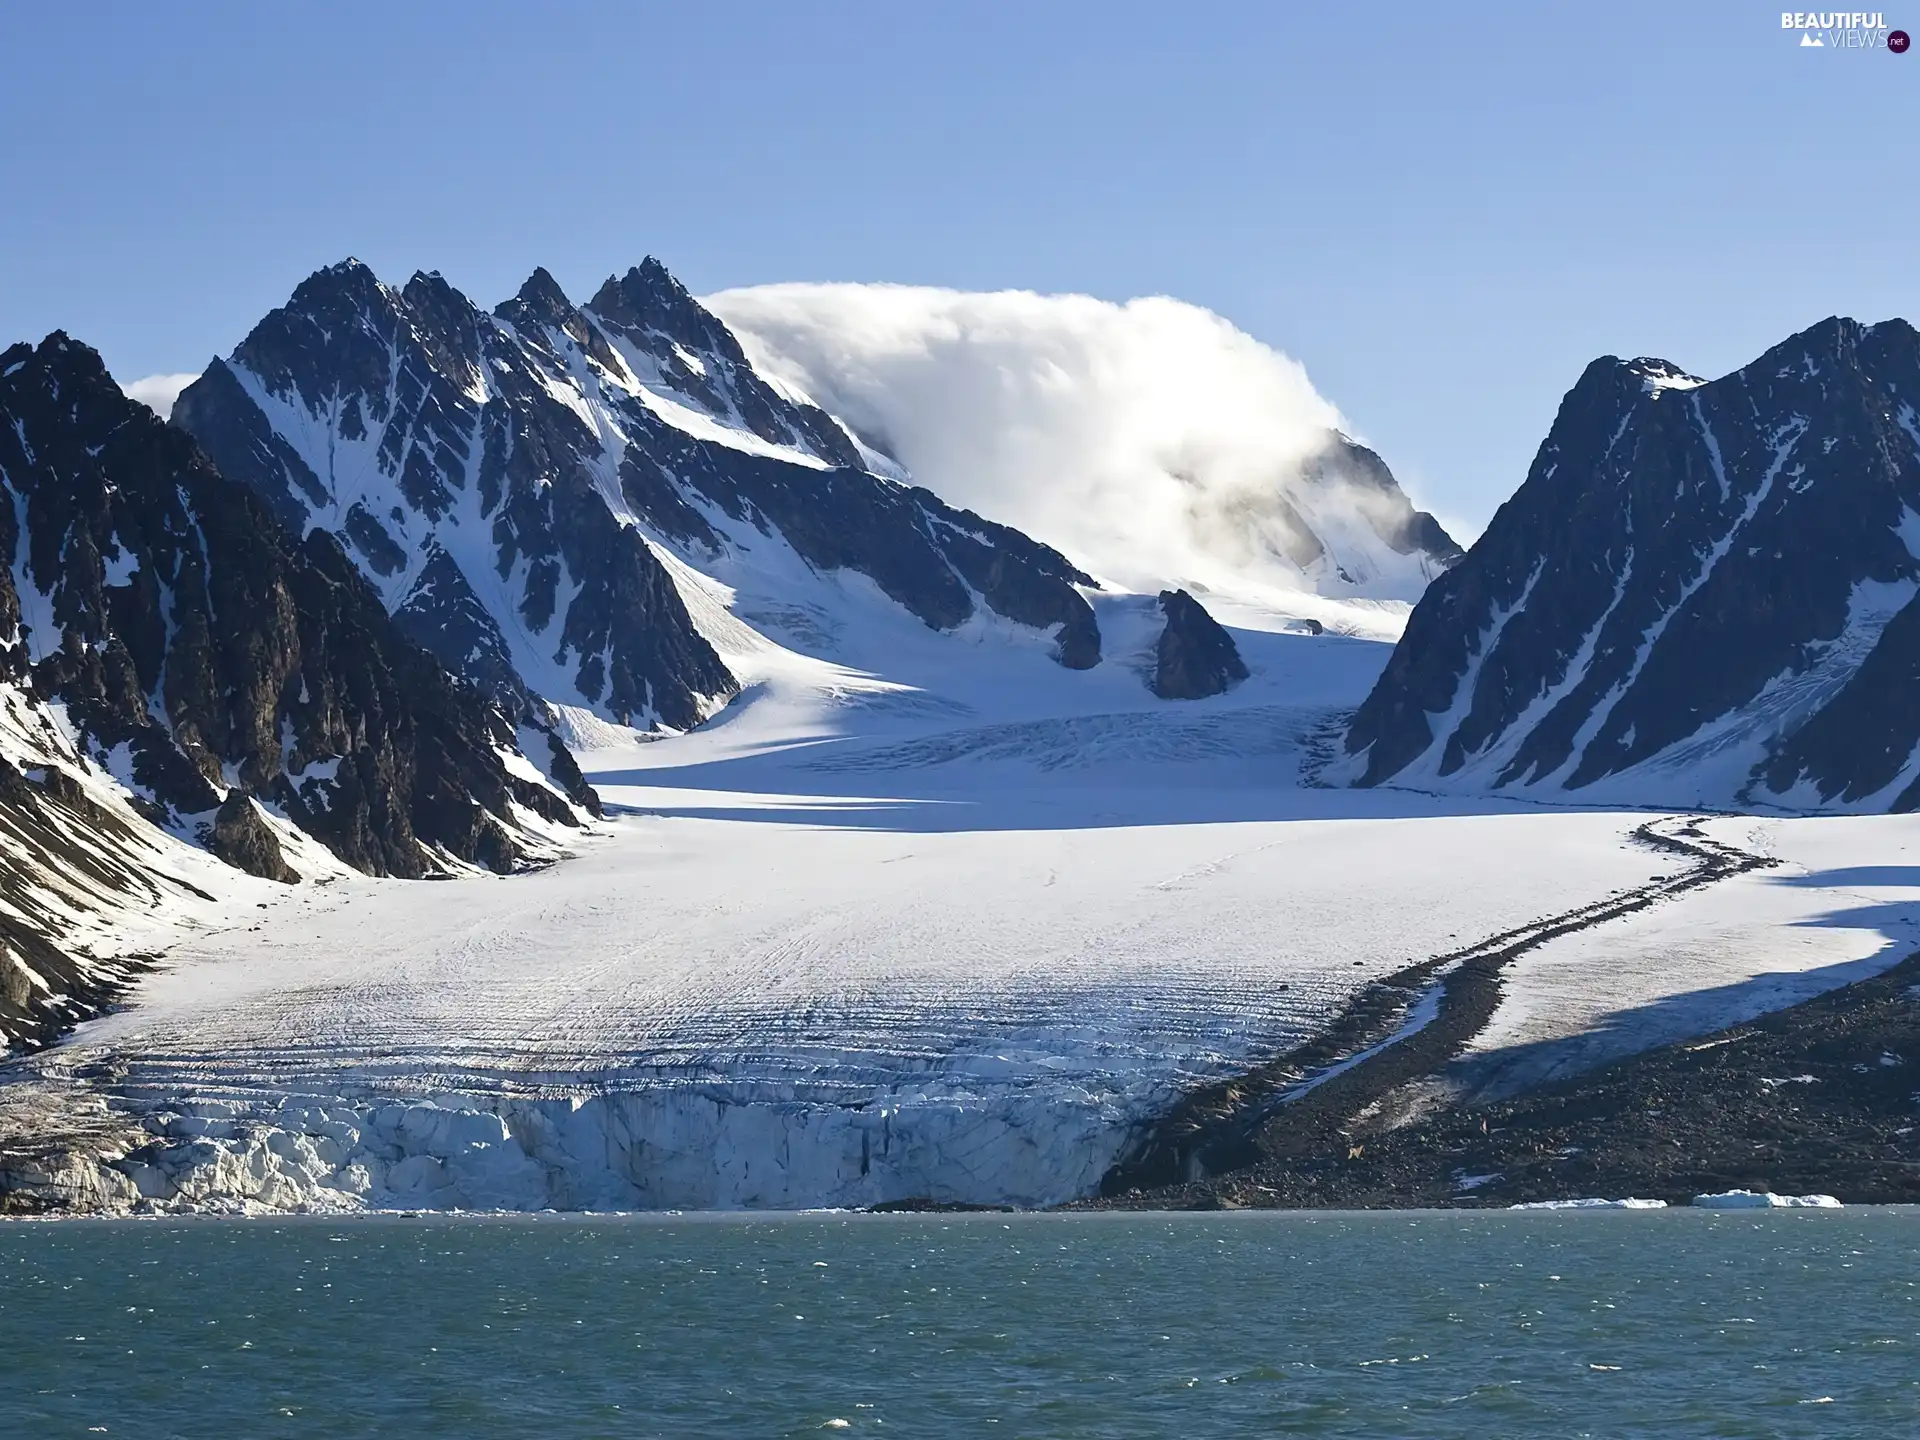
341, 296
539, 301
677, 342
469, 496
1659, 375
1840, 358
648, 300
1691, 572
1362, 466
199, 647
349, 284
334, 337
59, 368
1195, 656
1382, 503
1837, 338
396, 370
341, 333
541, 306
1611, 384
447, 325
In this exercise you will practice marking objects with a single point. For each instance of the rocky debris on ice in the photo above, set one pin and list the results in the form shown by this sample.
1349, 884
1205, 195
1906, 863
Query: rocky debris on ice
59, 1147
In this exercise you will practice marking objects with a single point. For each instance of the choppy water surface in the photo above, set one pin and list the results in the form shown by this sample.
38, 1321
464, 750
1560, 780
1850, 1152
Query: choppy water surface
1670, 1324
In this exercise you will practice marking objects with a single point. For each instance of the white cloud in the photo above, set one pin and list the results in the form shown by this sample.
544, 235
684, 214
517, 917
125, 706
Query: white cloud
1150, 441
158, 392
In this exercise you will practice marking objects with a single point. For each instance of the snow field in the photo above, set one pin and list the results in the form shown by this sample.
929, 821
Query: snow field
750, 1007
920, 916
858, 940
1843, 904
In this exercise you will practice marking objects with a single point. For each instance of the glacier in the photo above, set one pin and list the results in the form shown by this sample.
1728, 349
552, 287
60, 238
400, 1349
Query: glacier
952, 936
923, 916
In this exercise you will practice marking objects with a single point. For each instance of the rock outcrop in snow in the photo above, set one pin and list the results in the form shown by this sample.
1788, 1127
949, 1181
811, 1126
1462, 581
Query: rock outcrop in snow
1705, 592
1195, 656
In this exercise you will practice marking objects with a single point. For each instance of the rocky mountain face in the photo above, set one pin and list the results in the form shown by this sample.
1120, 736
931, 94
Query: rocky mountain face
1388, 511
1705, 592
207, 658
65, 854
1348, 527
515, 485
1195, 656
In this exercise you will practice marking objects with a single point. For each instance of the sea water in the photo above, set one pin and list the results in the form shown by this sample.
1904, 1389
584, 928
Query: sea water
1669, 1323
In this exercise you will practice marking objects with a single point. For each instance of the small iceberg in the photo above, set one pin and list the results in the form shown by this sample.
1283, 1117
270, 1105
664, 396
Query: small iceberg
1628, 1204
1764, 1200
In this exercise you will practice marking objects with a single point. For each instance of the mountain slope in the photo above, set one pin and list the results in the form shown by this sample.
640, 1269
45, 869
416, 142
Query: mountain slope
515, 484
173, 662
75, 862
1703, 593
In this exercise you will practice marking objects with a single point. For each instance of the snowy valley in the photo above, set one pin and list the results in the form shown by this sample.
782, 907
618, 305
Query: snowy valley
907, 883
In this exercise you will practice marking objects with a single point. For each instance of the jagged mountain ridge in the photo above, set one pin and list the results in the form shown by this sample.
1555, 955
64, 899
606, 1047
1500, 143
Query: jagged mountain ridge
197, 648
175, 666
1705, 592
503, 480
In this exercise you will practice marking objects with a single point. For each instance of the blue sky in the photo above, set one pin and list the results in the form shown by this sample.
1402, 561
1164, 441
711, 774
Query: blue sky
1444, 211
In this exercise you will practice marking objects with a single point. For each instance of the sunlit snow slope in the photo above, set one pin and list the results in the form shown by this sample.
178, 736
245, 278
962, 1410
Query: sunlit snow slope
1843, 903
947, 935
950, 935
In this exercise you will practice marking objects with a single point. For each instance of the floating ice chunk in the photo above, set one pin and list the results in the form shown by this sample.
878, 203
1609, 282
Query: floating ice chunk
1630, 1203
1764, 1200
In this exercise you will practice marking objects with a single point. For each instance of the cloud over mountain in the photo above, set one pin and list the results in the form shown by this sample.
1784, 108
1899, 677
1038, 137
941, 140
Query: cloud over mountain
158, 392
1150, 440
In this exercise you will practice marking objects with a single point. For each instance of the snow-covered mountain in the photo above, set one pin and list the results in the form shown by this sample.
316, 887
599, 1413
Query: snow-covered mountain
1153, 442
526, 488
923, 915
1704, 593
176, 667
76, 861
